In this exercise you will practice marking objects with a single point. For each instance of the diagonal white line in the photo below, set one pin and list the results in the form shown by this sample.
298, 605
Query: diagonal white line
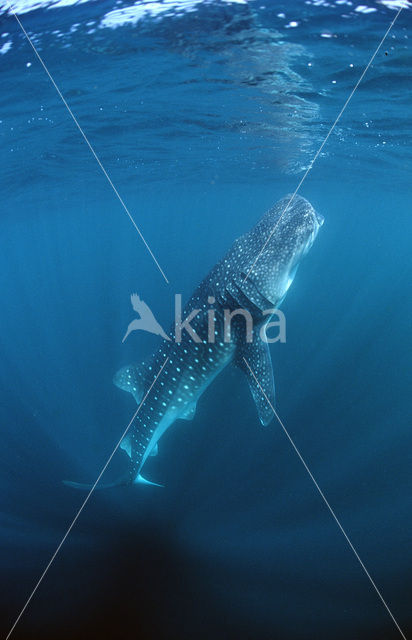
85, 501
325, 141
85, 138
322, 495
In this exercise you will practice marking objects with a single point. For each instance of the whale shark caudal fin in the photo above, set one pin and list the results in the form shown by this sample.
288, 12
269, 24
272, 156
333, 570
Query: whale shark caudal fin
258, 357
122, 482
141, 480
131, 379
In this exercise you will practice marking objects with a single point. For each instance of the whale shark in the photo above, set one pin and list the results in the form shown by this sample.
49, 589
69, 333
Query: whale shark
251, 280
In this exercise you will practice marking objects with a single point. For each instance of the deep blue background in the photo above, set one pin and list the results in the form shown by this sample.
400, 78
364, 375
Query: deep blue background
203, 120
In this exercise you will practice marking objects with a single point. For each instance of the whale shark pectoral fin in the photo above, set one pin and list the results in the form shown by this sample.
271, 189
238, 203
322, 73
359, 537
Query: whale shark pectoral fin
131, 378
189, 412
258, 358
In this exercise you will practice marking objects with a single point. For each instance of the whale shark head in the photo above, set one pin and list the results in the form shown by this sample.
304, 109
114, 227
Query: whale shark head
282, 238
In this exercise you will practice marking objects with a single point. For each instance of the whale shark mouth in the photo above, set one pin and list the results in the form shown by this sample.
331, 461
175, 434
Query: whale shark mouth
311, 218
313, 221
320, 219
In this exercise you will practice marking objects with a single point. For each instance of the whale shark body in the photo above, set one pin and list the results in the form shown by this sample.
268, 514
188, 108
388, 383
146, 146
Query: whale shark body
247, 278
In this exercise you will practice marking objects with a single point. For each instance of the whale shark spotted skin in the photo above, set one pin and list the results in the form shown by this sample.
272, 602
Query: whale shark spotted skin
237, 281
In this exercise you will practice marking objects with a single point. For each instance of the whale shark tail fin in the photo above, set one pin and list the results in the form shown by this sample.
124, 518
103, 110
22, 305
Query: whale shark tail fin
131, 379
84, 486
141, 480
121, 482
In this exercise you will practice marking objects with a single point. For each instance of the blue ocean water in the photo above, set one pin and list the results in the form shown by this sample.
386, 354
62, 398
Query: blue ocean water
203, 115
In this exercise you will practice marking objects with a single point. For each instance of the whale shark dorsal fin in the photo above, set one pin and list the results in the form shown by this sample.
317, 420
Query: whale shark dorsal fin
131, 378
189, 412
257, 356
126, 445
